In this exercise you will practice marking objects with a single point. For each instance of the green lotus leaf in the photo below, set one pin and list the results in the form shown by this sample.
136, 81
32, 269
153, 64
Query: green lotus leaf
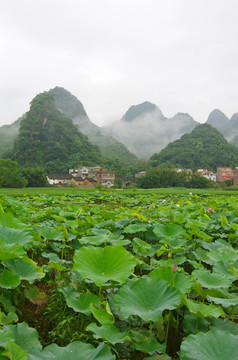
108, 332
212, 345
94, 240
51, 234
195, 224
169, 230
201, 234
220, 324
147, 298
52, 257
174, 242
158, 357
8, 220
14, 352
119, 242
9, 280
103, 264
5, 337
221, 250
56, 266
193, 325
211, 280
135, 228
150, 347
74, 351
25, 268
201, 254
227, 255
121, 223
24, 336
202, 310
10, 251
224, 302
10, 318
222, 267
81, 302
15, 236
143, 248
181, 281
102, 313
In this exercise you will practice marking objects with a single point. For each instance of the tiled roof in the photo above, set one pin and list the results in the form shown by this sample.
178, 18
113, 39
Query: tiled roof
91, 179
77, 178
60, 176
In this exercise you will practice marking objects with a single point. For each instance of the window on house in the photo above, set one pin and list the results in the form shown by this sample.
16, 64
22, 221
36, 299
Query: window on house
104, 174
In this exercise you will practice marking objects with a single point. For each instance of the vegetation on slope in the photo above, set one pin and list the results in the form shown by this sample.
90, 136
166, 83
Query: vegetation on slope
8, 134
71, 107
48, 139
205, 147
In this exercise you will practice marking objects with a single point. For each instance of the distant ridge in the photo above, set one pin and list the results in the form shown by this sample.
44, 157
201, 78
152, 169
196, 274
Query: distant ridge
139, 110
204, 147
144, 130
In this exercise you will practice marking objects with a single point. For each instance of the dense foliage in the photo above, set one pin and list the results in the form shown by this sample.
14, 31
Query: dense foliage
204, 147
8, 134
228, 128
10, 174
163, 178
111, 149
14, 176
102, 275
46, 138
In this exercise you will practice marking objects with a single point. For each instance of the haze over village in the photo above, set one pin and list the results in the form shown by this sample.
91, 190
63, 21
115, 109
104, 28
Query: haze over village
128, 88
119, 180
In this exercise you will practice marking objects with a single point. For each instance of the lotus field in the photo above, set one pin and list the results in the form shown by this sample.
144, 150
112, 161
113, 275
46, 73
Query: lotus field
105, 275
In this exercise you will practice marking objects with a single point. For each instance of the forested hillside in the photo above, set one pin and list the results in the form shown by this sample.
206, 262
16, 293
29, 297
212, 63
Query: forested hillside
8, 134
228, 128
204, 147
48, 139
71, 107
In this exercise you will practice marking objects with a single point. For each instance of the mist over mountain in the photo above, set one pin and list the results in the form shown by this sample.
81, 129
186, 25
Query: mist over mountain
136, 111
204, 147
217, 119
228, 128
71, 107
144, 130
8, 134
141, 132
47, 138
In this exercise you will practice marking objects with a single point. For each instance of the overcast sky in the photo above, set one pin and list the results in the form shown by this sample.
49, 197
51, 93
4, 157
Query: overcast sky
181, 55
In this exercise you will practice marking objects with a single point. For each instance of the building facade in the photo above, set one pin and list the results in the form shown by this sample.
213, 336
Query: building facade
207, 174
101, 176
235, 176
224, 174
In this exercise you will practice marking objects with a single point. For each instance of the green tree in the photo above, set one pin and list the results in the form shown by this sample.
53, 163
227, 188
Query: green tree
35, 176
204, 147
10, 174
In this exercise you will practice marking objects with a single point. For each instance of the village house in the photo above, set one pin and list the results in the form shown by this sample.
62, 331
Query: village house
140, 174
179, 170
101, 176
207, 174
58, 179
84, 176
235, 176
224, 174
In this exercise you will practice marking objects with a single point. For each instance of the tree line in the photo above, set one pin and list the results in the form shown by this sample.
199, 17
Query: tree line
165, 177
